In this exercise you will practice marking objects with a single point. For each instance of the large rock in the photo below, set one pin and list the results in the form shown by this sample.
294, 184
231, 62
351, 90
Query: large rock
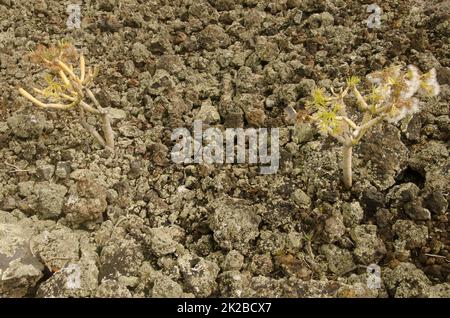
20, 270
75, 279
407, 281
383, 157
412, 234
27, 126
50, 199
199, 274
120, 258
234, 223
56, 247
369, 248
86, 202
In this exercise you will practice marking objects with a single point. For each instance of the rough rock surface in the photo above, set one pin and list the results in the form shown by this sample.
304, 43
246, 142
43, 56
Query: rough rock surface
79, 221
234, 224
20, 269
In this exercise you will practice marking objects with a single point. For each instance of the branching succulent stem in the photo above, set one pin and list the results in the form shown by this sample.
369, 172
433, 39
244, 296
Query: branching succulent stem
73, 89
347, 165
391, 99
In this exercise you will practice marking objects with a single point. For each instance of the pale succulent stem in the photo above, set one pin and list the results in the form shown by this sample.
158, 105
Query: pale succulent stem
372, 123
347, 165
361, 102
89, 108
107, 141
38, 103
64, 79
91, 129
348, 121
93, 99
107, 130
106, 120
67, 69
82, 68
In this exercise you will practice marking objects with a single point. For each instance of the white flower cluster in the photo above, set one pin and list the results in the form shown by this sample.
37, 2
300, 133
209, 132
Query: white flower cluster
429, 84
395, 90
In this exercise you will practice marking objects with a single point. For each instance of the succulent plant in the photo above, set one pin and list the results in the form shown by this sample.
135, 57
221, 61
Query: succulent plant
66, 89
391, 98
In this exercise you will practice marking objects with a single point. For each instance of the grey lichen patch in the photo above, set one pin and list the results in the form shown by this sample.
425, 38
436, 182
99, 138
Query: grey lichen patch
339, 260
273, 242
208, 114
369, 247
164, 287
50, 199
303, 132
270, 287
120, 257
45, 199
45, 171
233, 261
261, 264
233, 283
139, 52
428, 157
234, 223
320, 168
406, 281
352, 213
334, 227
435, 202
112, 289
385, 157
431, 161
412, 234
266, 50
301, 199
213, 36
161, 241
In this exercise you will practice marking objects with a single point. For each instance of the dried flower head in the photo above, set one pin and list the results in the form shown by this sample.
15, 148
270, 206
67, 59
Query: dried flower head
63, 51
412, 82
429, 84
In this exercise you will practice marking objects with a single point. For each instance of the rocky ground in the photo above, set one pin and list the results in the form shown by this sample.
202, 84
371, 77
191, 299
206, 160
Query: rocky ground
76, 221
